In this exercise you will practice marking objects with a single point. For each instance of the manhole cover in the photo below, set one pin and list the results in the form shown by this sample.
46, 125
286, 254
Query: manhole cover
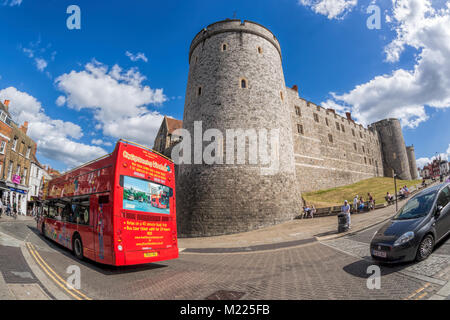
225, 295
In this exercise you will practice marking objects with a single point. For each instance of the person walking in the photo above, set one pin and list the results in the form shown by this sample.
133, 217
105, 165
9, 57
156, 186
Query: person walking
1, 207
346, 210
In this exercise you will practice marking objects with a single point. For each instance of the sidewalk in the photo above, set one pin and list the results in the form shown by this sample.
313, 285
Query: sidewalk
292, 232
5, 218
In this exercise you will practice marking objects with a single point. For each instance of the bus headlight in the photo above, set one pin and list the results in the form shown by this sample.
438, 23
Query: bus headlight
119, 247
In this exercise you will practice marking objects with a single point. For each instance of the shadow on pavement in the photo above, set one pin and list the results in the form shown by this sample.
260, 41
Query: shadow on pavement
102, 268
359, 268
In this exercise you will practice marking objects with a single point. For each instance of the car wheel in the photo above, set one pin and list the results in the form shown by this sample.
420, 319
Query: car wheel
425, 248
77, 246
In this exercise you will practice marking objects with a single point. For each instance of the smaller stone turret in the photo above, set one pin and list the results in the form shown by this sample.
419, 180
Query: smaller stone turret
412, 162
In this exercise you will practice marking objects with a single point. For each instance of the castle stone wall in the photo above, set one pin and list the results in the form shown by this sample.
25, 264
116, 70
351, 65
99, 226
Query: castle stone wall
228, 198
412, 162
353, 154
393, 147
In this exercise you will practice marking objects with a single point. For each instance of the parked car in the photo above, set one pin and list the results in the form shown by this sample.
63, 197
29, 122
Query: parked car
413, 232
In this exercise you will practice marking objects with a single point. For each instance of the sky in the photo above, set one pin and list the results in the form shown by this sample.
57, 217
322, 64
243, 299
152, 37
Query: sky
127, 66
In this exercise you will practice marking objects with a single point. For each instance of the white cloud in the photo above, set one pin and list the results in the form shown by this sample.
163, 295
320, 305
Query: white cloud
118, 99
333, 9
41, 64
100, 142
136, 57
53, 137
60, 101
405, 93
12, 3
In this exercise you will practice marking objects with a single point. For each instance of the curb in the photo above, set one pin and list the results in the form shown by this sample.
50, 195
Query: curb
352, 233
252, 249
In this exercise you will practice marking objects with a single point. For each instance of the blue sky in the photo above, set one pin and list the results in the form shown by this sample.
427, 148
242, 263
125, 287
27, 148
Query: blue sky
127, 66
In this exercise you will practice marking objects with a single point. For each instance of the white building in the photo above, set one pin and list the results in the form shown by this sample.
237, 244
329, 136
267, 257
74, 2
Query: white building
37, 176
444, 166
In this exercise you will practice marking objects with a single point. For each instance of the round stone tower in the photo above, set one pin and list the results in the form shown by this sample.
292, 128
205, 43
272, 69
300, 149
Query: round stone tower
412, 162
236, 82
393, 148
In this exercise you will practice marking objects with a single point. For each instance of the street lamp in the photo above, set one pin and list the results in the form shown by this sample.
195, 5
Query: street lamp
395, 189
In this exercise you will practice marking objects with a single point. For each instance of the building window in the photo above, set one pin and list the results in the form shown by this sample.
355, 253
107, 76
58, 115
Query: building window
199, 91
281, 96
394, 155
353, 132
360, 134
338, 127
10, 170
316, 117
326, 121
355, 147
298, 111
18, 170
22, 148
243, 84
25, 172
2, 147
3, 116
300, 128
28, 152
330, 138
14, 144
260, 50
342, 127
224, 47
363, 149
365, 160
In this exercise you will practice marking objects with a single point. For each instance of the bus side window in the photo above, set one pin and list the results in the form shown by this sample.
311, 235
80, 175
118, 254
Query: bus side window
81, 210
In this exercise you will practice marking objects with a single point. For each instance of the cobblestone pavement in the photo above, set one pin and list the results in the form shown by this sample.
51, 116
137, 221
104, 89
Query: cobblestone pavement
310, 271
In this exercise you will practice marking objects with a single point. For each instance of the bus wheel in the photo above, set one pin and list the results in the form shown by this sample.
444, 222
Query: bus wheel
77, 246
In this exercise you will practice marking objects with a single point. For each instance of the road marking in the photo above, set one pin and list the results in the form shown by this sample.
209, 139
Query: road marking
415, 293
49, 271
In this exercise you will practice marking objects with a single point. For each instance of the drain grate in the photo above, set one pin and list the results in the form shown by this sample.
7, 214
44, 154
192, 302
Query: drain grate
226, 295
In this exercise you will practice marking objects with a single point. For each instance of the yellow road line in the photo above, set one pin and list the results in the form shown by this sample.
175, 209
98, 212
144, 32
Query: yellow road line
61, 282
421, 296
419, 290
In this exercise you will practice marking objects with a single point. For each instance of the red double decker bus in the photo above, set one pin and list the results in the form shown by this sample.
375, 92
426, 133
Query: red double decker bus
103, 210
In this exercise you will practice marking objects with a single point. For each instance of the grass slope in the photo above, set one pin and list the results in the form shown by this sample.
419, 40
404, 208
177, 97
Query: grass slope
376, 186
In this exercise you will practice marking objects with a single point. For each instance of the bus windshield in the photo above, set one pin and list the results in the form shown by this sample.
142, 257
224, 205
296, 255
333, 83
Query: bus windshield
145, 196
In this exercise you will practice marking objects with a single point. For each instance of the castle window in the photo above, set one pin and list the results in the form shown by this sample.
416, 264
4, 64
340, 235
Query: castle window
224, 47
318, 108
365, 160
281, 96
243, 84
363, 149
326, 121
298, 111
342, 127
307, 104
330, 138
355, 147
300, 129
199, 91
338, 127
260, 50
360, 134
353, 132
316, 117
394, 155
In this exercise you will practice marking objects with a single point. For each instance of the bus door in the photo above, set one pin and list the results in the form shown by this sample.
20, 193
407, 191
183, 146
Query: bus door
103, 228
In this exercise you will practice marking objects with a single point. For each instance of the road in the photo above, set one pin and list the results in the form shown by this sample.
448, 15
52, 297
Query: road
34, 267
